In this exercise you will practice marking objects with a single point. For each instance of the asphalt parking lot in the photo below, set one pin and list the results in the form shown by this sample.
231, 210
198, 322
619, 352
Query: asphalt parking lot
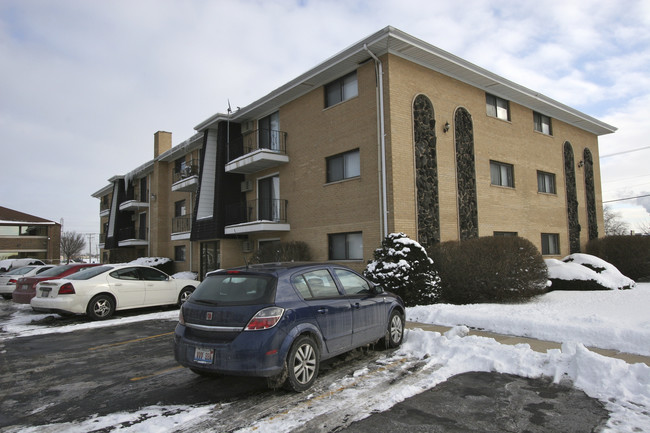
59, 378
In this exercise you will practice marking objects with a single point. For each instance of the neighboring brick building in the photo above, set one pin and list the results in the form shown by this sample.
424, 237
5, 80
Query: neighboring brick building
28, 236
392, 134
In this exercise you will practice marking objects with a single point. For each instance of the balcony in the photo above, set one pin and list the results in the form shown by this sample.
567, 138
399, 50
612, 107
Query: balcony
187, 179
256, 216
181, 227
134, 203
130, 237
257, 150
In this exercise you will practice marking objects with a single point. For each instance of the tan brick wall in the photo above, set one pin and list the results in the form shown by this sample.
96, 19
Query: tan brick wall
521, 209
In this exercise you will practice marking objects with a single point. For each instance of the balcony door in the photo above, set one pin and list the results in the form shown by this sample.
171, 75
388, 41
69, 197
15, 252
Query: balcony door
269, 198
269, 132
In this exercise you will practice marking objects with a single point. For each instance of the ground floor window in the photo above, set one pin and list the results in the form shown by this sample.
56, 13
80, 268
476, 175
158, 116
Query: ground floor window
346, 246
179, 253
505, 234
550, 244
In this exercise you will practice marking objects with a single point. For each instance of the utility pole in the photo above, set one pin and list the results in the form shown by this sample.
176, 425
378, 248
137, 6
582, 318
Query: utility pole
90, 250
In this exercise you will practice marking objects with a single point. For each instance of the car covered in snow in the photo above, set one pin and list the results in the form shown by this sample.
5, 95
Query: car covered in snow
8, 279
280, 321
25, 288
101, 290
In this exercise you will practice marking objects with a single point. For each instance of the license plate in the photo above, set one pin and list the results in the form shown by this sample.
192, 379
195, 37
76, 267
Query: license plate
203, 356
46, 292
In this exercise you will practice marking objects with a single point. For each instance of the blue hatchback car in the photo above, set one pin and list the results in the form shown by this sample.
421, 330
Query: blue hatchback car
281, 320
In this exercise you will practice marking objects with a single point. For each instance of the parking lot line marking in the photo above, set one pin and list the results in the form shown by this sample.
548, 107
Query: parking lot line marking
105, 346
135, 379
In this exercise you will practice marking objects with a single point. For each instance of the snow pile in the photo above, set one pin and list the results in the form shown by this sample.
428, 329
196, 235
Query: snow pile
150, 261
584, 267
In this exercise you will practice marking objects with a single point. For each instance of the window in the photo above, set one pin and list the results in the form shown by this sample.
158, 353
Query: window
144, 195
542, 123
550, 244
351, 282
502, 174
545, 182
346, 246
506, 234
341, 90
269, 132
179, 253
497, 107
316, 284
179, 165
343, 166
179, 208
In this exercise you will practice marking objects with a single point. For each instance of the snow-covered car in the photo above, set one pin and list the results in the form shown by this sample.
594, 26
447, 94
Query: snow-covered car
101, 290
8, 279
280, 320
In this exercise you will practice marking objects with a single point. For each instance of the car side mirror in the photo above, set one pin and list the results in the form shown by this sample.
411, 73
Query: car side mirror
375, 290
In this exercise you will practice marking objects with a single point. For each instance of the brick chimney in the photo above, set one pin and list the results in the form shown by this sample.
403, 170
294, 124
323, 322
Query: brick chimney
162, 142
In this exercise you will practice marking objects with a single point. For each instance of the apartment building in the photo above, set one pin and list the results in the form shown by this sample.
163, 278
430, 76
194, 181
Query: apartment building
391, 134
27, 236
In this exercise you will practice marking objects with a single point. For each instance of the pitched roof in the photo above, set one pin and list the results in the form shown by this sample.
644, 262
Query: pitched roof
10, 215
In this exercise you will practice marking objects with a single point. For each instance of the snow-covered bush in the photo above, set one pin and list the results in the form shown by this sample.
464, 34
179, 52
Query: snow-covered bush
489, 269
402, 266
629, 254
165, 264
585, 272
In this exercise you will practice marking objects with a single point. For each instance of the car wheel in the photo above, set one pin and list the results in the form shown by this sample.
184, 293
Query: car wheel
101, 307
184, 295
395, 332
302, 364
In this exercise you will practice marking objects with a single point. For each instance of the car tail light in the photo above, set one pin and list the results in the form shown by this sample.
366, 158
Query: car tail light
11, 281
66, 289
265, 319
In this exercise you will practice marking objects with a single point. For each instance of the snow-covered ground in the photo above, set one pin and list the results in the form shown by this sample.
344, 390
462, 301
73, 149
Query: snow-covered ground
616, 319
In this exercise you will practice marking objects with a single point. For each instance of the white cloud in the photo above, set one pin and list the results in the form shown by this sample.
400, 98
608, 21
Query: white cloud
85, 83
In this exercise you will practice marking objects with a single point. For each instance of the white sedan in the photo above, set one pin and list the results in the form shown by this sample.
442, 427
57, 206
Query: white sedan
8, 279
101, 290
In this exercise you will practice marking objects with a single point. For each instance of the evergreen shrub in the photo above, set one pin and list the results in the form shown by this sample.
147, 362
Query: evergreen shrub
403, 267
630, 254
489, 269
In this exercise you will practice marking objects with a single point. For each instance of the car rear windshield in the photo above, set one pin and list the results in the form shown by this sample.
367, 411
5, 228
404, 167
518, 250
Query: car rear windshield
89, 272
53, 272
226, 289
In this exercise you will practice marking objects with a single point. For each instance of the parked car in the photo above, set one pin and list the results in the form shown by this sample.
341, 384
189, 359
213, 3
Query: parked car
280, 321
8, 279
101, 290
9, 264
25, 288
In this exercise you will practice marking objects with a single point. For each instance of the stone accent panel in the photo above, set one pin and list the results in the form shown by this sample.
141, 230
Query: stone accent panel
466, 174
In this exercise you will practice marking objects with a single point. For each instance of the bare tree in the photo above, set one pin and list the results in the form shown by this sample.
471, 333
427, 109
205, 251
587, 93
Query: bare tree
614, 224
644, 227
72, 243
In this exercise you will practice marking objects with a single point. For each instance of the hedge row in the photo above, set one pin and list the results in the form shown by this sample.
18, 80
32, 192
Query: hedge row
630, 254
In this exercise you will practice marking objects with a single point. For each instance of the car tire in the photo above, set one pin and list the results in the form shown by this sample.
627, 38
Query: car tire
184, 295
395, 331
101, 307
302, 364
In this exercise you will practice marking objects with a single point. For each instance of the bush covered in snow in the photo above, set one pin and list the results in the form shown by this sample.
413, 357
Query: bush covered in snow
489, 269
585, 272
294, 251
629, 254
402, 266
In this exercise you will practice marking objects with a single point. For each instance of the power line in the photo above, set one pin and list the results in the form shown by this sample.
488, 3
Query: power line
624, 151
628, 198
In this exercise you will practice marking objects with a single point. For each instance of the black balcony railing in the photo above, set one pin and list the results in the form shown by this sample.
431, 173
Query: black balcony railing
251, 141
188, 170
182, 224
132, 233
257, 210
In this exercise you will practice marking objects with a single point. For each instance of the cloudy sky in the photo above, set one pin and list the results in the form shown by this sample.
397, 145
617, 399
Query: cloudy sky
84, 84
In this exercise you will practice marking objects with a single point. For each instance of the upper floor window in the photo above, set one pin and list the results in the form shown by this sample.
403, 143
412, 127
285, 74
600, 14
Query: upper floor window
343, 166
545, 182
179, 208
179, 165
497, 107
269, 131
542, 123
341, 89
502, 174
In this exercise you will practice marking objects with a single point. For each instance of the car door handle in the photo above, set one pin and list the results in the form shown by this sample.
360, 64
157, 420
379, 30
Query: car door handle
322, 310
